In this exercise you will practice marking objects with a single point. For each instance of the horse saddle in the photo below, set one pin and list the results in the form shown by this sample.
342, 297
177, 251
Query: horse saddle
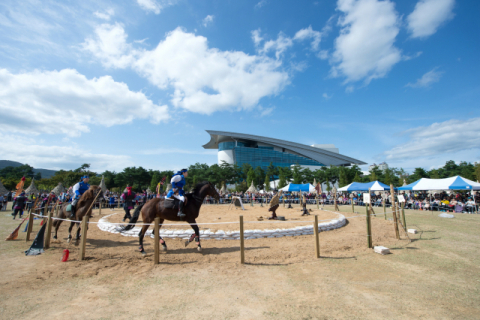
172, 203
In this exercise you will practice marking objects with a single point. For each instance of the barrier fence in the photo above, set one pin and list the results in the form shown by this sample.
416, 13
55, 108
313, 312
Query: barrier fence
316, 230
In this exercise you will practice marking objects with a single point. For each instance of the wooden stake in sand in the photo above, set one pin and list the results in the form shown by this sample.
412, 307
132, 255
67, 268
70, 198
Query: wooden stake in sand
395, 223
242, 244
369, 226
49, 226
156, 230
403, 217
83, 240
29, 227
317, 239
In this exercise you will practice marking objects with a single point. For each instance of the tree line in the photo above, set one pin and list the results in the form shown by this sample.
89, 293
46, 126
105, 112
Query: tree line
242, 176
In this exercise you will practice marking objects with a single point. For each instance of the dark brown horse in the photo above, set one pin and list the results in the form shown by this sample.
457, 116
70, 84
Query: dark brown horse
156, 208
84, 204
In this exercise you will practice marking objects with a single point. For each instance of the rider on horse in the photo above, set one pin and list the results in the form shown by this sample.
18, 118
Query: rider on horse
78, 190
178, 182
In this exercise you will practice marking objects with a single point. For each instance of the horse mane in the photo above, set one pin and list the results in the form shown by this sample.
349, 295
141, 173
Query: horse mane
198, 187
87, 195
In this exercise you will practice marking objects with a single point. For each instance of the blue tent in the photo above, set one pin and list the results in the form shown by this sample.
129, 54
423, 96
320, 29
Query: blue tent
358, 186
452, 183
307, 187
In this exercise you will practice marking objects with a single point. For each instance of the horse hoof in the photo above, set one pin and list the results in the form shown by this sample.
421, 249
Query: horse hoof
187, 243
199, 249
163, 248
68, 240
54, 237
143, 253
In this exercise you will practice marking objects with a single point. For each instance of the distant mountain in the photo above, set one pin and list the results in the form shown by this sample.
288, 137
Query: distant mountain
46, 173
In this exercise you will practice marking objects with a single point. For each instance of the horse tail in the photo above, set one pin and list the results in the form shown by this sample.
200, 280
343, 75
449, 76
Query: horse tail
136, 215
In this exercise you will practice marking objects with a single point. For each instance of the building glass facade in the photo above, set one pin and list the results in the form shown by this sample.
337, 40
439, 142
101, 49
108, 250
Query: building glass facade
262, 156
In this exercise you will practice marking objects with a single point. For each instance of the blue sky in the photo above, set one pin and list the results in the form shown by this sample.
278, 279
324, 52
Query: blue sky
137, 82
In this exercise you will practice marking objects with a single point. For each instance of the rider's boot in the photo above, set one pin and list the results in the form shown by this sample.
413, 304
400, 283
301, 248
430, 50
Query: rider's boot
180, 214
72, 213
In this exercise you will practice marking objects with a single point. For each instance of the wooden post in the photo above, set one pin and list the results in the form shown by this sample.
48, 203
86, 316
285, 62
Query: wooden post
29, 227
100, 207
317, 240
242, 244
49, 230
156, 257
395, 222
353, 204
369, 227
403, 217
83, 240
316, 198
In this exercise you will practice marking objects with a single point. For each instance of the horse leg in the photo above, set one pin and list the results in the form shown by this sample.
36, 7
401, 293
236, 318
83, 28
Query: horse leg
77, 239
141, 234
56, 224
70, 232
162, 242
195, 236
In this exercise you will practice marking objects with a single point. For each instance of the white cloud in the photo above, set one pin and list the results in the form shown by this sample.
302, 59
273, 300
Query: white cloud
438, 139
110, 46
365, 47
207, 20
309, 33
428, 16
260, 4
326, 96
48, 156
203, 79
104, 15
256, 37
265, 111
279, 45
427, 79
66, 102
156, 6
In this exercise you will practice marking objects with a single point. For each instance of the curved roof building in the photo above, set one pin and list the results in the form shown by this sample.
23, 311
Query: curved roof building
240, 148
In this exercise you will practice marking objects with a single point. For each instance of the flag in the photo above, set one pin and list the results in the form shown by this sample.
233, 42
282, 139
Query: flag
14, 234
163, 180
37, 245
20, 187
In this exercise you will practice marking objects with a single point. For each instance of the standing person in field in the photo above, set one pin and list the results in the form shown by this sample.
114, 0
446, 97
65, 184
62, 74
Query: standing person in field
1, 201
128, 198
19, 205
178, 182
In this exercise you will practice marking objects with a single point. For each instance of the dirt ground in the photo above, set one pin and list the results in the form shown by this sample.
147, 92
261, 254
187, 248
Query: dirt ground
434, 276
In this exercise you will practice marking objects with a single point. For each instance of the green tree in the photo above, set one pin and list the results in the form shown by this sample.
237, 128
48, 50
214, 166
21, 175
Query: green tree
357, 178
297, 174
267, 183
259, 177
388, 177
418, 173
477, 171
282, 179
373, 176
250, 177
155, 180
343, 180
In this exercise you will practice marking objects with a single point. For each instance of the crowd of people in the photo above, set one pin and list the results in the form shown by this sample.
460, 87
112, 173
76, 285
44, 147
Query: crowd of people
460, 202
